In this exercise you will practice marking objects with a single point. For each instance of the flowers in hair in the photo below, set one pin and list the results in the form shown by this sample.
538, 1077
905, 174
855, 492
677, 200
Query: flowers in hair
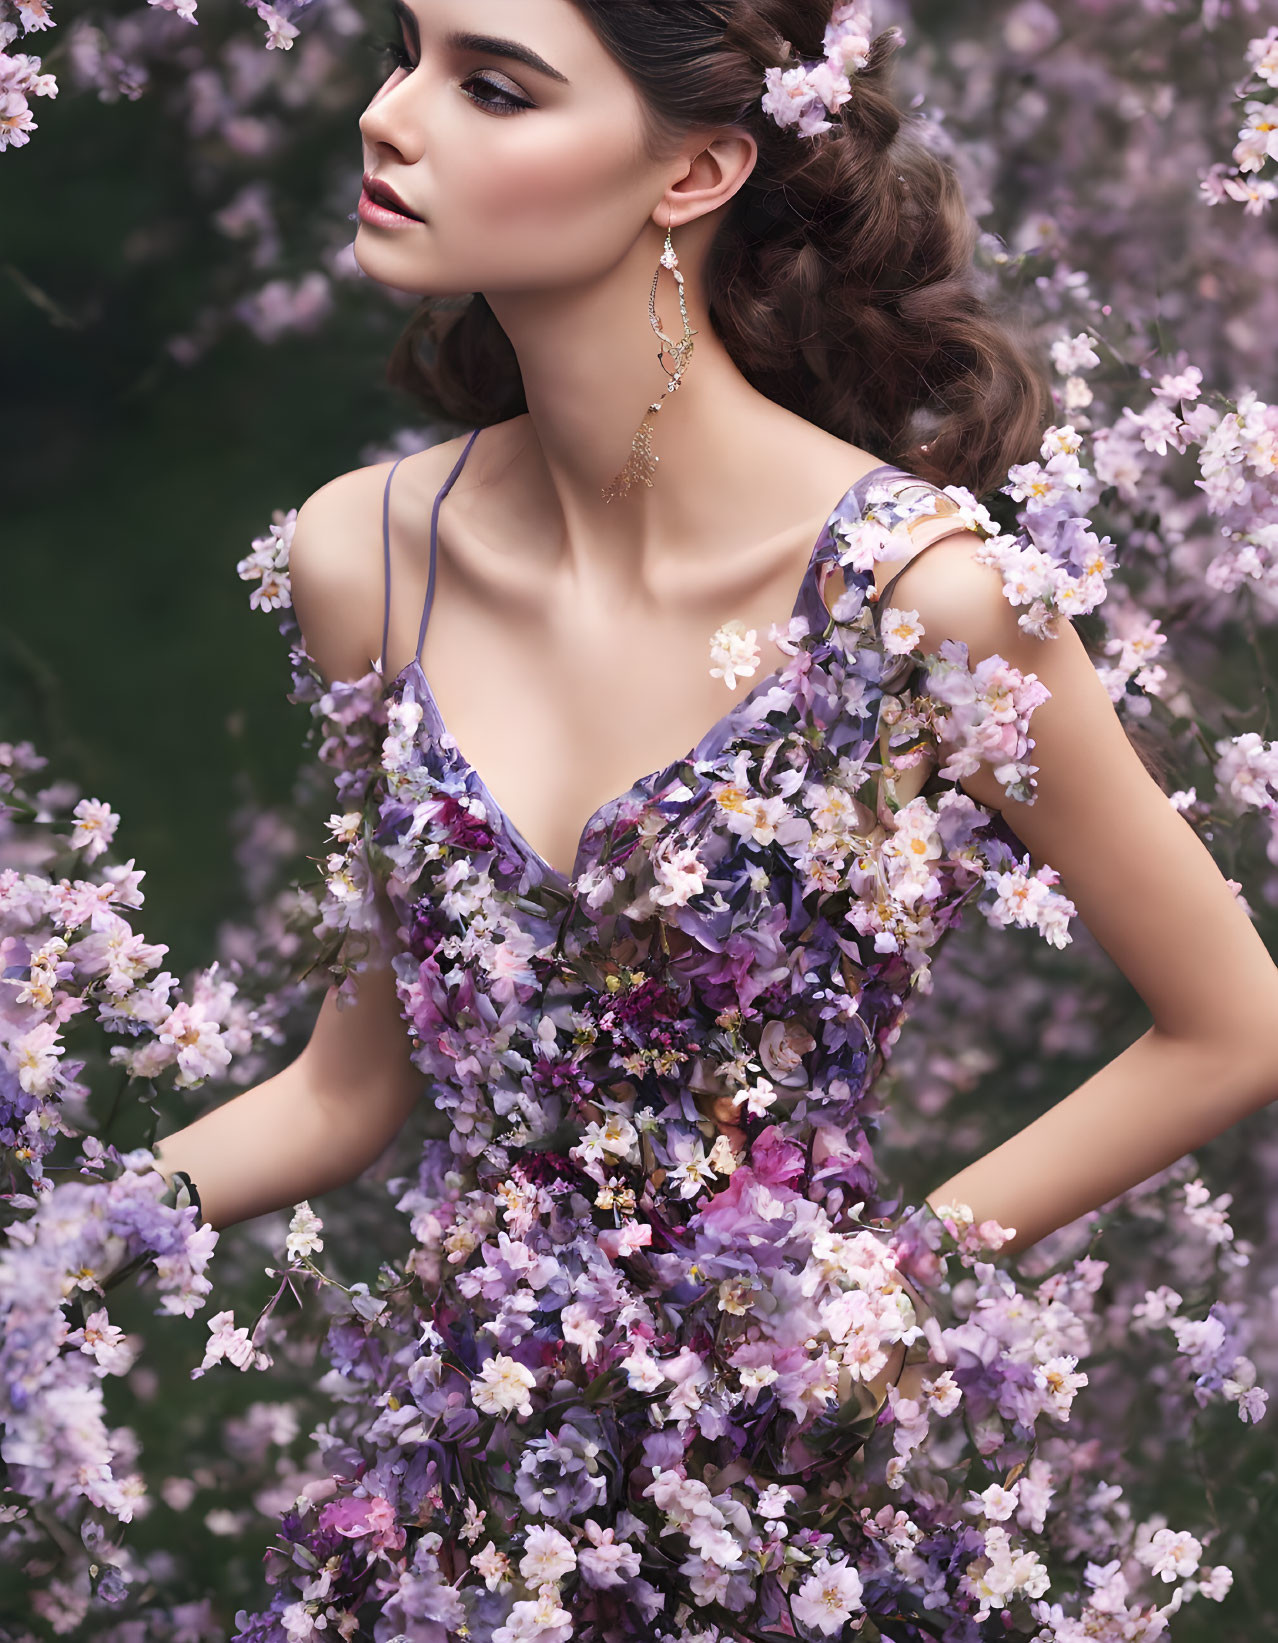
802, 96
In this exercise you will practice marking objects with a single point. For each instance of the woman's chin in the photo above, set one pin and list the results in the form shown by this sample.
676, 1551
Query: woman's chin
380, 265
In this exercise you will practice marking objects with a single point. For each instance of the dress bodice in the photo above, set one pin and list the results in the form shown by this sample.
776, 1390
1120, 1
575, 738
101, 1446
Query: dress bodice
746, 923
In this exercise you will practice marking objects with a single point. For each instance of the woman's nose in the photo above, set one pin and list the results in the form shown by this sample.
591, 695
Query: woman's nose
388, 122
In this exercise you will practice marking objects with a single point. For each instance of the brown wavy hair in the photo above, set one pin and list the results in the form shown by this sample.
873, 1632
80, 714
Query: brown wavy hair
841, 280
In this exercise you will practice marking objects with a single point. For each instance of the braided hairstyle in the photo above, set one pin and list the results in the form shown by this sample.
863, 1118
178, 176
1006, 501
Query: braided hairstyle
841, 280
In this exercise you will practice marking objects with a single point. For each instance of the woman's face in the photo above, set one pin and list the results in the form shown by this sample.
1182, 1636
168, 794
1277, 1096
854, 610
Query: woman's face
524, 177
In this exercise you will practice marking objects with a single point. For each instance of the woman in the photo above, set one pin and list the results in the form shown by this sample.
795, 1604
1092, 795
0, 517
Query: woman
655, 1371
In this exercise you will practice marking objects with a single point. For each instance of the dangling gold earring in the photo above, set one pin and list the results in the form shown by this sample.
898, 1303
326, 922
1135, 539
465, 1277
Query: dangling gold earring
641, 464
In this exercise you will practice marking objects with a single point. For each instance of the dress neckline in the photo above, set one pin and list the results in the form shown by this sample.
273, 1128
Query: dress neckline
805, 601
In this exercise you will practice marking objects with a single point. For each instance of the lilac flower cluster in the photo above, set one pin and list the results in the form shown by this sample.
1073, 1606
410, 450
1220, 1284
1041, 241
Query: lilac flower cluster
802, 95
554, 1553
68, 956
1258, 139
1238, 481
79, 1216
1056, 565
22, 77
78, 1236
267, 564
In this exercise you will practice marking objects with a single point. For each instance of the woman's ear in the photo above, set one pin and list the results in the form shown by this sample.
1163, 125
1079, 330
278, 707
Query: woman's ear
716, 169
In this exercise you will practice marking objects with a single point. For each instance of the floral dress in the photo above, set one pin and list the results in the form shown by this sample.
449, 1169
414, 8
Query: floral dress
639, 1376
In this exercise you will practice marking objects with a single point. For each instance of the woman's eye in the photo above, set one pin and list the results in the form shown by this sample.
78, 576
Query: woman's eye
510, 103
491, 96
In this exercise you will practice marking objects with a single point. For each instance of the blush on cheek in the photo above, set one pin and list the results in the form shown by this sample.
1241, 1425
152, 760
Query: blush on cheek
554, 176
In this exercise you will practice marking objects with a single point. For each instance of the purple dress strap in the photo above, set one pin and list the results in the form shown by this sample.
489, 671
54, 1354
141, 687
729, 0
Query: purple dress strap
386, 558
434, 530
434, 540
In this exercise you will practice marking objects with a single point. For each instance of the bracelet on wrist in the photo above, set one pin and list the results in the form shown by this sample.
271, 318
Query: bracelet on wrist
185, 1193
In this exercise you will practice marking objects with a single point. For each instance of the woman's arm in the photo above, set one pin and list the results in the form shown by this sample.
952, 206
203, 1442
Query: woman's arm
331, 1113
1147, 889
314, 1126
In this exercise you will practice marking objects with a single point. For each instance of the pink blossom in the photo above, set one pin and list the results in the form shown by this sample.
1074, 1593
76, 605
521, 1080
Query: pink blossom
355, 1516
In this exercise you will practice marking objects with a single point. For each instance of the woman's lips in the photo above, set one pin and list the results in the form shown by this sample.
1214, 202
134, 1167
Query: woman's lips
382, 208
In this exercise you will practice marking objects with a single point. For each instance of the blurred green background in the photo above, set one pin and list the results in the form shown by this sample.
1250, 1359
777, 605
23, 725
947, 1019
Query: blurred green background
132, 484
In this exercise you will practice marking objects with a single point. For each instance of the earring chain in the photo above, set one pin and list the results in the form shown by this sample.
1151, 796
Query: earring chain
641, 464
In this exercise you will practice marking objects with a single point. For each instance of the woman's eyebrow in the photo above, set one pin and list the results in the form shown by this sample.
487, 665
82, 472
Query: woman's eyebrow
488, 45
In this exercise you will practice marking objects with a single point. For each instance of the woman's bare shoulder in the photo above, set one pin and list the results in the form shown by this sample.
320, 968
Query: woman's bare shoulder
336, 564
